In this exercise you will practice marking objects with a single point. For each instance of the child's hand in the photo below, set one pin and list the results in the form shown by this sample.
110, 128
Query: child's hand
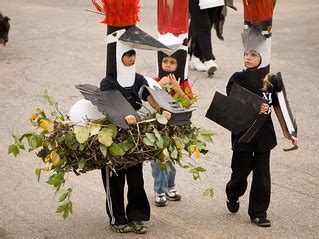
264, 108
164, 81
173, 80
130, 119
167, 114
293, 139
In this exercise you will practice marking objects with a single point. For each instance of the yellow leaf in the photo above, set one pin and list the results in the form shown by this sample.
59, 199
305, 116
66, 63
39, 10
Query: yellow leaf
46, 167
192, 148
105, 136
39, 111
165, 153
46, 125
50, 126
55, 157
33, 117
94, 129
47, 158
197, 153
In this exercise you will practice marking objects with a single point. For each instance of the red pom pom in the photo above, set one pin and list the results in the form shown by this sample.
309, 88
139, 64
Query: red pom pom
119, 13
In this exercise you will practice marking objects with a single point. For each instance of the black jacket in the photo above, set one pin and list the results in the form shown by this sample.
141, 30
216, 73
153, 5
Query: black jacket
130, 93
265, 138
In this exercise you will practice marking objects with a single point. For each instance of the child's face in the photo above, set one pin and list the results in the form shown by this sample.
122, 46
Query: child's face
252, 59
128, 60
169, 64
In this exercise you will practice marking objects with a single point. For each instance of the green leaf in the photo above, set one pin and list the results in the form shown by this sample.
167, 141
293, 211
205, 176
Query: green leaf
105, 136
34, 141
207, 135
169, 87
160, 143
81, 147
71, 141
165, 166
37, 171
81, 134
200, 169
48, 98
116, 150
61, 208
65, 208
185, 101
147, 142
56, 180
174, 153
201, 145
157, 134
161, 119
151, 137
13, 149
103, 150
43, 152
186, 166
113, 128
63, 195
209, 192
126, 145
166, 140
81, 164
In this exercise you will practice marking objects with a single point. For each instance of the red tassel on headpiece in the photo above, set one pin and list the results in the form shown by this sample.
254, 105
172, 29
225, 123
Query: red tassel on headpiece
118, 13
256, 11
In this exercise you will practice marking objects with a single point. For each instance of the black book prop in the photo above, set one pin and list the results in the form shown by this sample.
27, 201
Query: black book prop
289, 120
238, 112
180, 115
230, 113
255, 102
253, 129
111, 103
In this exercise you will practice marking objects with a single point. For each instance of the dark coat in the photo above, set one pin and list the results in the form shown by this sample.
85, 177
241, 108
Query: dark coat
265, 138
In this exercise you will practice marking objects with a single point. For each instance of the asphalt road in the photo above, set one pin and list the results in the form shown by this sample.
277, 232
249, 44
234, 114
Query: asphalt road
56, 44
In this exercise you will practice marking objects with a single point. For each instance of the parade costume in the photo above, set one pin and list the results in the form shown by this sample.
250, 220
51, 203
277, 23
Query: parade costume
252, 143
172, 28
122, 37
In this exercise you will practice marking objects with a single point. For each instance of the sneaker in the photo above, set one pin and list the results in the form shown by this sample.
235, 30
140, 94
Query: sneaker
211, 67
233, 206
173, 195
121, 228
196, 64
261, 221
160, 199
138, 227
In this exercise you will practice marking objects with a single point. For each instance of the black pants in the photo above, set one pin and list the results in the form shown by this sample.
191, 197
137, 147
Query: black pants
138, 207
200, 30
242, 164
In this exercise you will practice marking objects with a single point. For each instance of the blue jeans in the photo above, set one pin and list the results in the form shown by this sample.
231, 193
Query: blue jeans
163, 180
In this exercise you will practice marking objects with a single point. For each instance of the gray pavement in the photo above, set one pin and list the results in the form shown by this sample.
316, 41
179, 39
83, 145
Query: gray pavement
56, 44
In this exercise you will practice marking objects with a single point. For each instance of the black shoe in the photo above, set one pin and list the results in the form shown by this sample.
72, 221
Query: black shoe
138, 227
233, 206
261, 221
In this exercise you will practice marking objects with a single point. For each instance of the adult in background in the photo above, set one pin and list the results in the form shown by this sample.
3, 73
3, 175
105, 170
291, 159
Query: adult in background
204, 16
